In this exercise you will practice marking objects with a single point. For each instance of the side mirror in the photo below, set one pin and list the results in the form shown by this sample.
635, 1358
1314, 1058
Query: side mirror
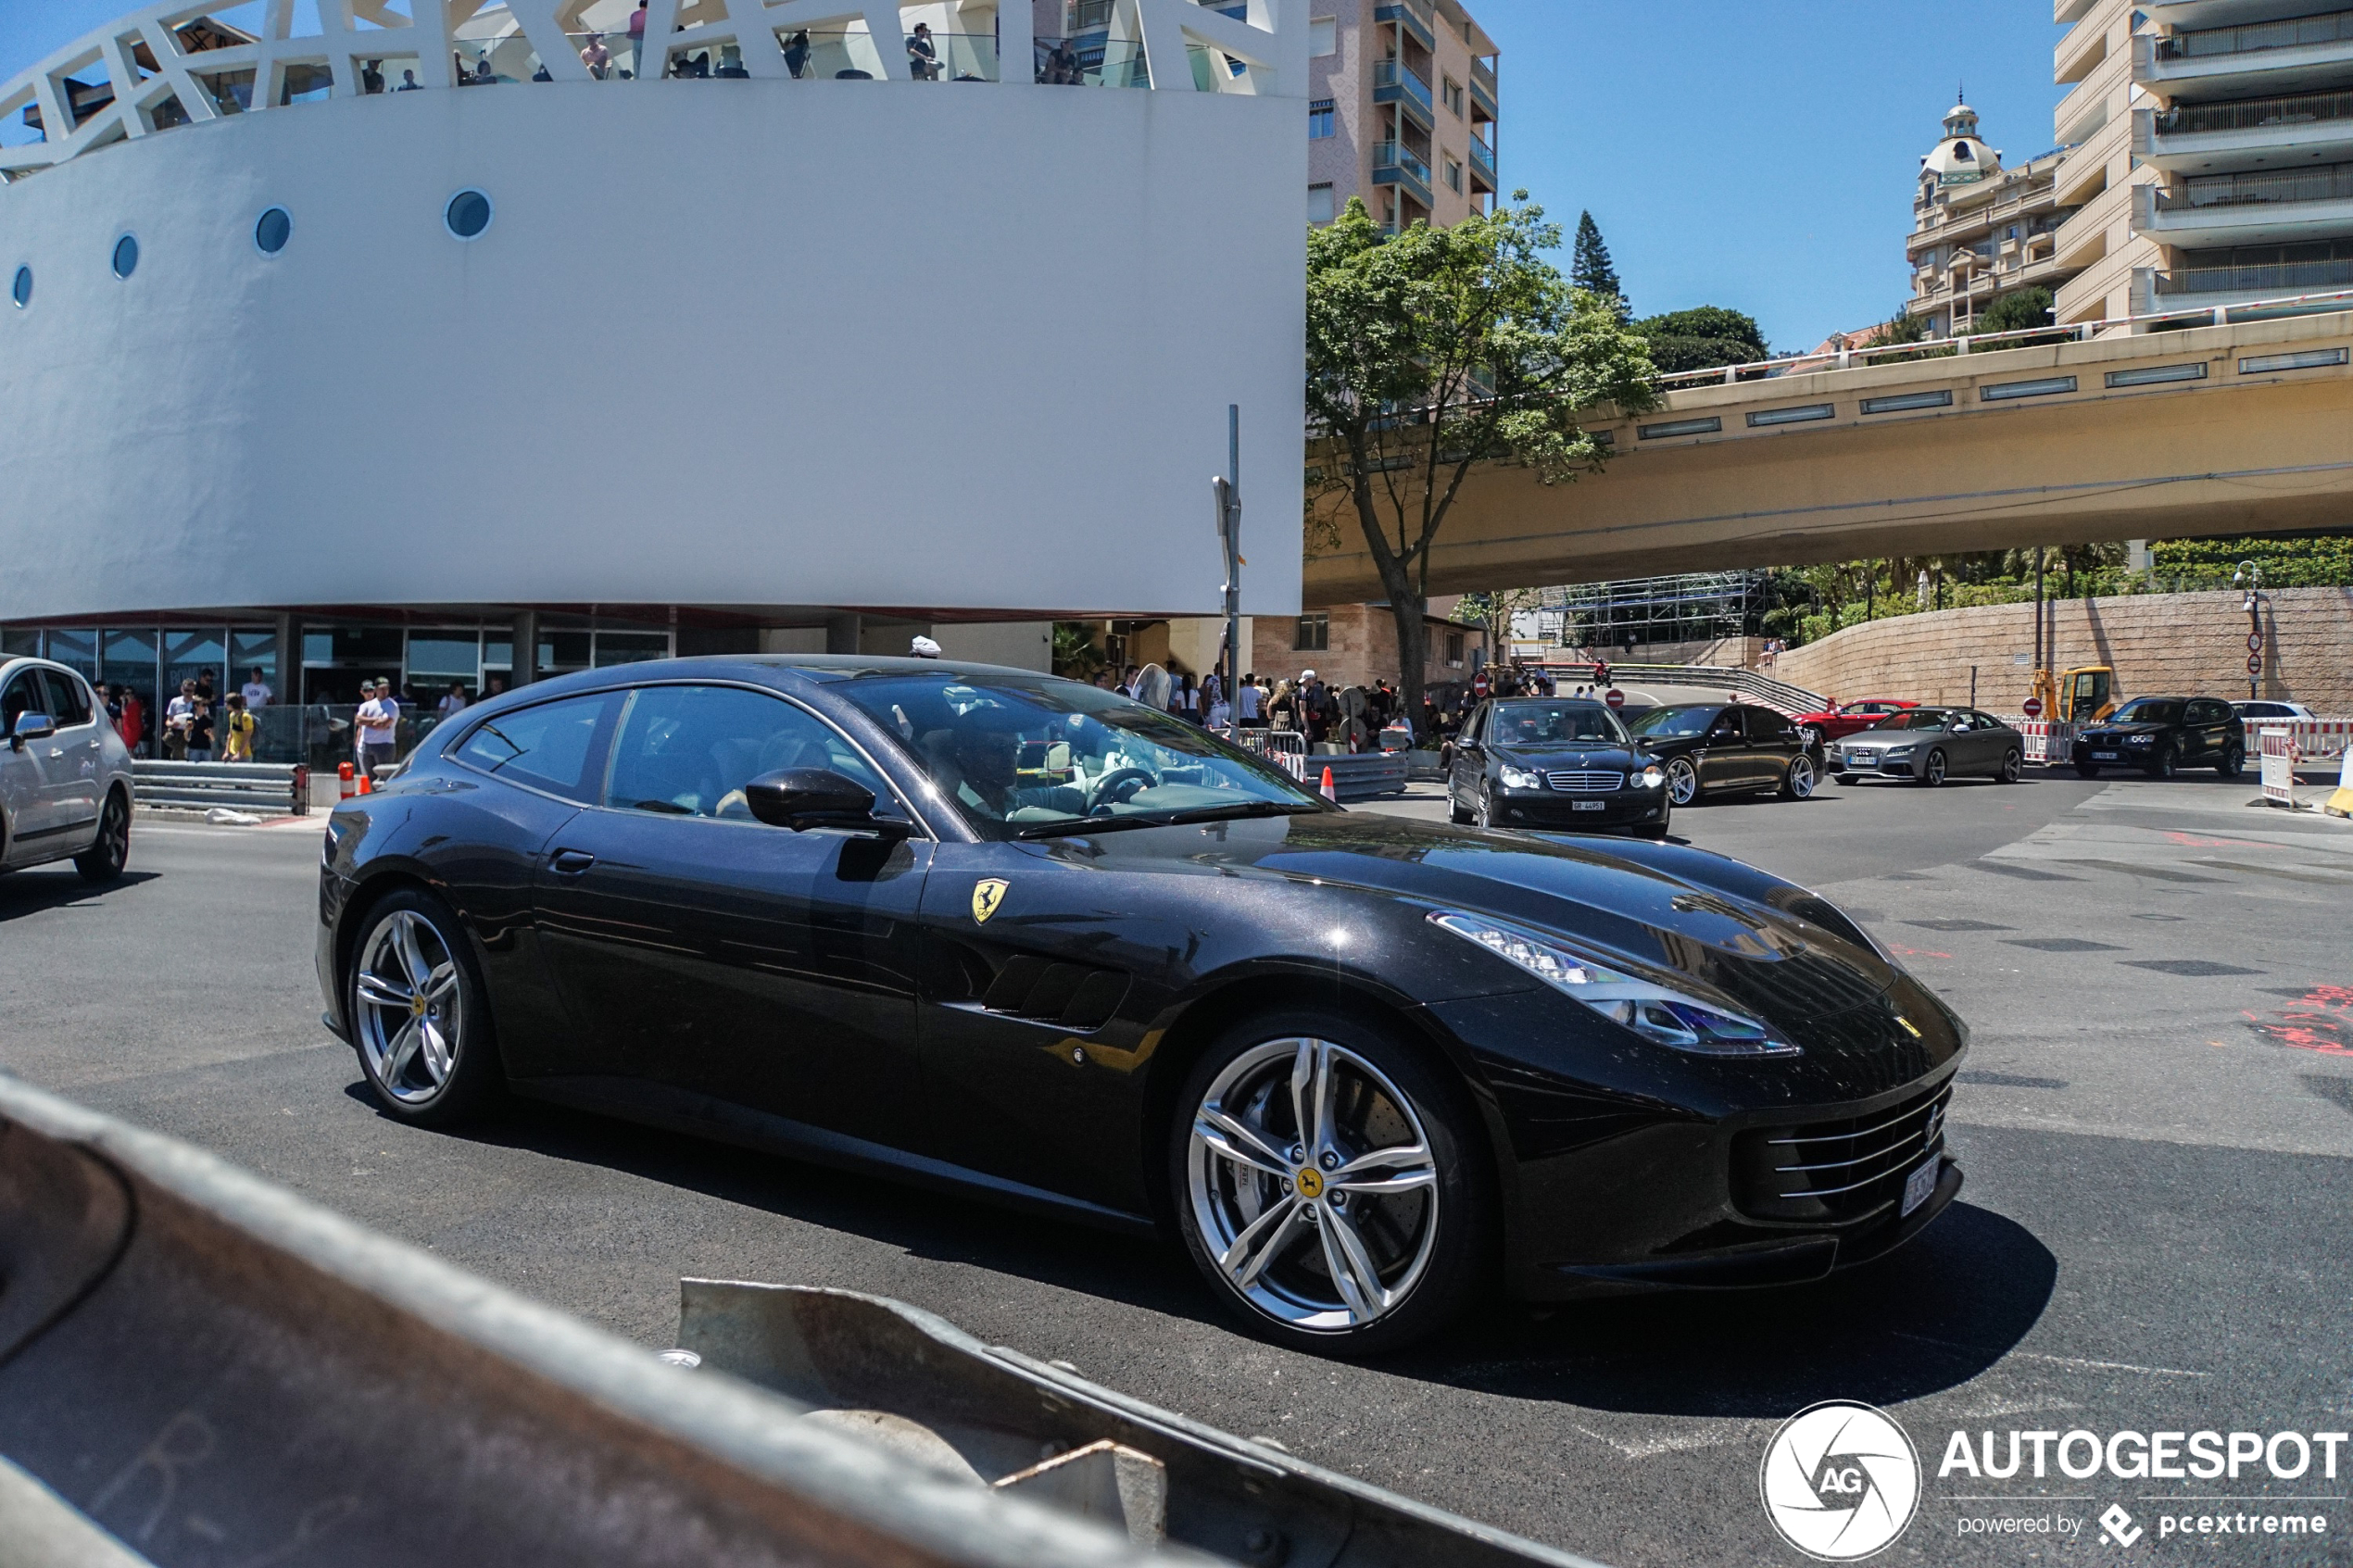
802, 798
1956, 723
30, 726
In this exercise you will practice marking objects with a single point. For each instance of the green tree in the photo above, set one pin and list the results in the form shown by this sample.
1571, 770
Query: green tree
1589, 267
1435, 351
2015, 311
1703, 338
1903, 327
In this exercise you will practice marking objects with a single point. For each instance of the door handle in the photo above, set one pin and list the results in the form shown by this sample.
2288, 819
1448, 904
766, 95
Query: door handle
570, 862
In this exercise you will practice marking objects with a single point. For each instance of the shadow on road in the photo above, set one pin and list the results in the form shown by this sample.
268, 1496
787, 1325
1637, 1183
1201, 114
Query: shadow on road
1931, 1315
29, 892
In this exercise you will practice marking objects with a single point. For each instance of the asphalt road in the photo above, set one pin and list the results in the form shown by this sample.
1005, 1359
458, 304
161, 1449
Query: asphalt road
2156, 1121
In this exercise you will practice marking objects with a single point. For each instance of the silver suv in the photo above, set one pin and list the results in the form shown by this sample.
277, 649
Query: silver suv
64, 774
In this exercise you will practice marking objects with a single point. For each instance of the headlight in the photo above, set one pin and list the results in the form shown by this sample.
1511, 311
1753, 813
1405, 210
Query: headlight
1519, 778
1650, 778
1901, 750
2139, 740
1654, 1011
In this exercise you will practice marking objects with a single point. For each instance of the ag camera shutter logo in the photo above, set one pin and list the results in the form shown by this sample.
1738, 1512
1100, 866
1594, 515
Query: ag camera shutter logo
1840, 1481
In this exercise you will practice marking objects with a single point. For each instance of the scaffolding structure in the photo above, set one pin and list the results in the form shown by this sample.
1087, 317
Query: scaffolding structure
1687, 606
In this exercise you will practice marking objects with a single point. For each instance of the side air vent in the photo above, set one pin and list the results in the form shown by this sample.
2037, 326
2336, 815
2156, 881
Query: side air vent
1074, 996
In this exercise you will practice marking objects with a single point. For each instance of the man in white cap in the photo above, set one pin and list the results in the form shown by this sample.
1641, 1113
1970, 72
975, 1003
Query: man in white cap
923, 647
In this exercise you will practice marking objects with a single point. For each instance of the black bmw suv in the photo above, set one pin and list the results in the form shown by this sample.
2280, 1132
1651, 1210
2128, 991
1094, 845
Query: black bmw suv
2161, 736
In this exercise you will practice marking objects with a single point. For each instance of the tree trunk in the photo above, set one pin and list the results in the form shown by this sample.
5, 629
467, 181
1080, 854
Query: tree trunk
1413, 656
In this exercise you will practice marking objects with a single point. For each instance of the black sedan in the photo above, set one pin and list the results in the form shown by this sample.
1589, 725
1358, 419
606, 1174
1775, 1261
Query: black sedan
1554, 762
1927, 746
1010, 936
2161, 736
1726, 749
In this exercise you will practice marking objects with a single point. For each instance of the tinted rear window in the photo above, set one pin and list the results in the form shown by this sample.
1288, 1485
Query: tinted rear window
549, 747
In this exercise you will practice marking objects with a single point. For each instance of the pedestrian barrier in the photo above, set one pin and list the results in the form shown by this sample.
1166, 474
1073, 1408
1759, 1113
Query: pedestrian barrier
170, 1320
2279, 765
1782, 698
2049, 742
281, 787
2317, 740
2341, 803
1285, 748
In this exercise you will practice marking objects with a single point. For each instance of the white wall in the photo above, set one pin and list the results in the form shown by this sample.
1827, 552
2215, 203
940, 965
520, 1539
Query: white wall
743, 342
1023, 644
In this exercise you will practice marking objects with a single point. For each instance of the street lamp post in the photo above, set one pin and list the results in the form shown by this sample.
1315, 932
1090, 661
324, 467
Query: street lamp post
2249, 577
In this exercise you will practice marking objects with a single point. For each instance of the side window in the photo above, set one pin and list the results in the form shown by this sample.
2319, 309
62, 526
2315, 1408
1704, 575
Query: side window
22, 696
67, 705
688, 751
1768, 728
1476, 725
1726, 726
2209, 711
549, 747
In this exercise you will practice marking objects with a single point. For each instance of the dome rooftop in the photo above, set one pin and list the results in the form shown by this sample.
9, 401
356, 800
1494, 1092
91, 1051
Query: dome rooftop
1961, 158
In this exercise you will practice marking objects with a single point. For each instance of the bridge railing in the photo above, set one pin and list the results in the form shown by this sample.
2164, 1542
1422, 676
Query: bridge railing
2024, 337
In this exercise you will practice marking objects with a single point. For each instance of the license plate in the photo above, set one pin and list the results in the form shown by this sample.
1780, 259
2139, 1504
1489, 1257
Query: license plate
1918, 1185
2103, 756
1588, 804
1861, 760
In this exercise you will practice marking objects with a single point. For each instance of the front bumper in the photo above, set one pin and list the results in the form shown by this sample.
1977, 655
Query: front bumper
1562, 812
1638, 1168
1872, 764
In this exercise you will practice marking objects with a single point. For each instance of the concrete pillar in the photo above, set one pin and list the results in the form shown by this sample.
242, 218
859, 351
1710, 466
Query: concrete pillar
526, 649
841, 633
287, 676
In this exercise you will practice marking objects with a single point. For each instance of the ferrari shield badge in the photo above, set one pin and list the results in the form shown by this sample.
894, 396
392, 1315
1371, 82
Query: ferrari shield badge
988, 893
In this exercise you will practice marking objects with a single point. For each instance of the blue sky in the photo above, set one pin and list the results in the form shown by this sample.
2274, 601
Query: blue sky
1755, 154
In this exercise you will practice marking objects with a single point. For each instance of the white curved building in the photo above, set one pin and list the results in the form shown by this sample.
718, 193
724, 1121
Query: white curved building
294, 360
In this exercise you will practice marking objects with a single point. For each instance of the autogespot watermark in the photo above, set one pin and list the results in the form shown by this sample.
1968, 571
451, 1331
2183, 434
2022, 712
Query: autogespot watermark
1842, 1481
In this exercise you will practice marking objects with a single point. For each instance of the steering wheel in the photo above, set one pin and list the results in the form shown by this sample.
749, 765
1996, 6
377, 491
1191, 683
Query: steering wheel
1101, 794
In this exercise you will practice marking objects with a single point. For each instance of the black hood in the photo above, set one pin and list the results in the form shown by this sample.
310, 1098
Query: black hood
1569, 755
1770, 947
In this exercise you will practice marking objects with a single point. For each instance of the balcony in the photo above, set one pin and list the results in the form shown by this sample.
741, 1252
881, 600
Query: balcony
1482, 164
2228, 209
1394, 82
2290, 55
2220, 138
1482, 88
1413, 16
1397, 163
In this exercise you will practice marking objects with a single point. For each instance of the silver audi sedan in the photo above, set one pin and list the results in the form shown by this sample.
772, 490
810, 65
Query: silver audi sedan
64, 774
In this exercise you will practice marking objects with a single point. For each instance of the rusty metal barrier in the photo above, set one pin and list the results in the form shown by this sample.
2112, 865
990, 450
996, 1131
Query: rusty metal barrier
200, 1368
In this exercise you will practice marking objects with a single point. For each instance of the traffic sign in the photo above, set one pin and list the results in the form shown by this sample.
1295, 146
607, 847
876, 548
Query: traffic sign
1478, 684
2255, 664
1616, 697
2033, 708
2255, 641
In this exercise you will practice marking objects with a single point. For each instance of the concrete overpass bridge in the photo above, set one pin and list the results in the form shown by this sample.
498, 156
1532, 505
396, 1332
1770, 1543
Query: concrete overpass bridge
2241, 427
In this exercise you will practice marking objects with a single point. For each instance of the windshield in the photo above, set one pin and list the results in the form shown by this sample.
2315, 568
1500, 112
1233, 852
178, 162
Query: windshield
1671, 723
1914, 719
1029, 757
2150, 710
1554, 723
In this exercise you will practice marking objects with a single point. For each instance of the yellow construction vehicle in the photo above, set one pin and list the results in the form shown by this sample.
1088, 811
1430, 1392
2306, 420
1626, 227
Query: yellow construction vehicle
2078, 697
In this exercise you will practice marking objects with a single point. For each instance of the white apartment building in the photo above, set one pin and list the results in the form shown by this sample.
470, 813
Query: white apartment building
2211, 152
1401, 111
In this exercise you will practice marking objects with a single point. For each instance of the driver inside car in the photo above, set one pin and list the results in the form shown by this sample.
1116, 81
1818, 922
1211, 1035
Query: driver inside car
978, 761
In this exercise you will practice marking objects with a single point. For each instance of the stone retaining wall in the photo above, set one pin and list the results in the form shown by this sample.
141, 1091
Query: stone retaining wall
2157, 643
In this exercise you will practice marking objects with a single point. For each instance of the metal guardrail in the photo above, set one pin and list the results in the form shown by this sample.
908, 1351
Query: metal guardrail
2082, 331
283, 787
207, 1369
215, 1371
1779, 695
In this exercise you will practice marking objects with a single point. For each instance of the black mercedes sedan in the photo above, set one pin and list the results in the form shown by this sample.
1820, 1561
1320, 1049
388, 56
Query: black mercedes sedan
1010, 936
1726, 749
1554, 762
2161, 736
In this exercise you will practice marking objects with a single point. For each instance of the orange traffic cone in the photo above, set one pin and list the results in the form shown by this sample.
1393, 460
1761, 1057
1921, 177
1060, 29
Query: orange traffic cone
1330, 792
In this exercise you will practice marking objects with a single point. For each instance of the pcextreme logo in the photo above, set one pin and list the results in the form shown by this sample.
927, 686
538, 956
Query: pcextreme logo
1840, 1481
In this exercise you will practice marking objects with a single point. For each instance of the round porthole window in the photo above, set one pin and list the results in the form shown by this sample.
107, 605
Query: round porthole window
21, 289
126, 257
271, 232
468, 214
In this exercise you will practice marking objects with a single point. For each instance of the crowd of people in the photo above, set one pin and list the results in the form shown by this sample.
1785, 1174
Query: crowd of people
200, 725
1321, 712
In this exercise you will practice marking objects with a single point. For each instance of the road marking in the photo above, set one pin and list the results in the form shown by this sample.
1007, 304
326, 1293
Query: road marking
2054, 1361
1674, 1443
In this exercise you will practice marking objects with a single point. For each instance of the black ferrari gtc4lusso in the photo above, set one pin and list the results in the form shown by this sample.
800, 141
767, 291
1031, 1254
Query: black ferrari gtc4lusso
991, 930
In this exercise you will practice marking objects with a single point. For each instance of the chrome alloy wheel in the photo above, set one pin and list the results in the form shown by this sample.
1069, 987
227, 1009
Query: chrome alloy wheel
1801, 776
1312, 1185
411, 1010
1682, 781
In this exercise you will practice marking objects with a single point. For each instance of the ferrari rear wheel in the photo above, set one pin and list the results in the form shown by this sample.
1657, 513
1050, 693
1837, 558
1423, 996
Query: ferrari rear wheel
419, 1022
1329, 1184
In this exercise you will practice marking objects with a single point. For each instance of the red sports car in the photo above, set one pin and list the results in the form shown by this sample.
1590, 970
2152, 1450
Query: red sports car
1837, 723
